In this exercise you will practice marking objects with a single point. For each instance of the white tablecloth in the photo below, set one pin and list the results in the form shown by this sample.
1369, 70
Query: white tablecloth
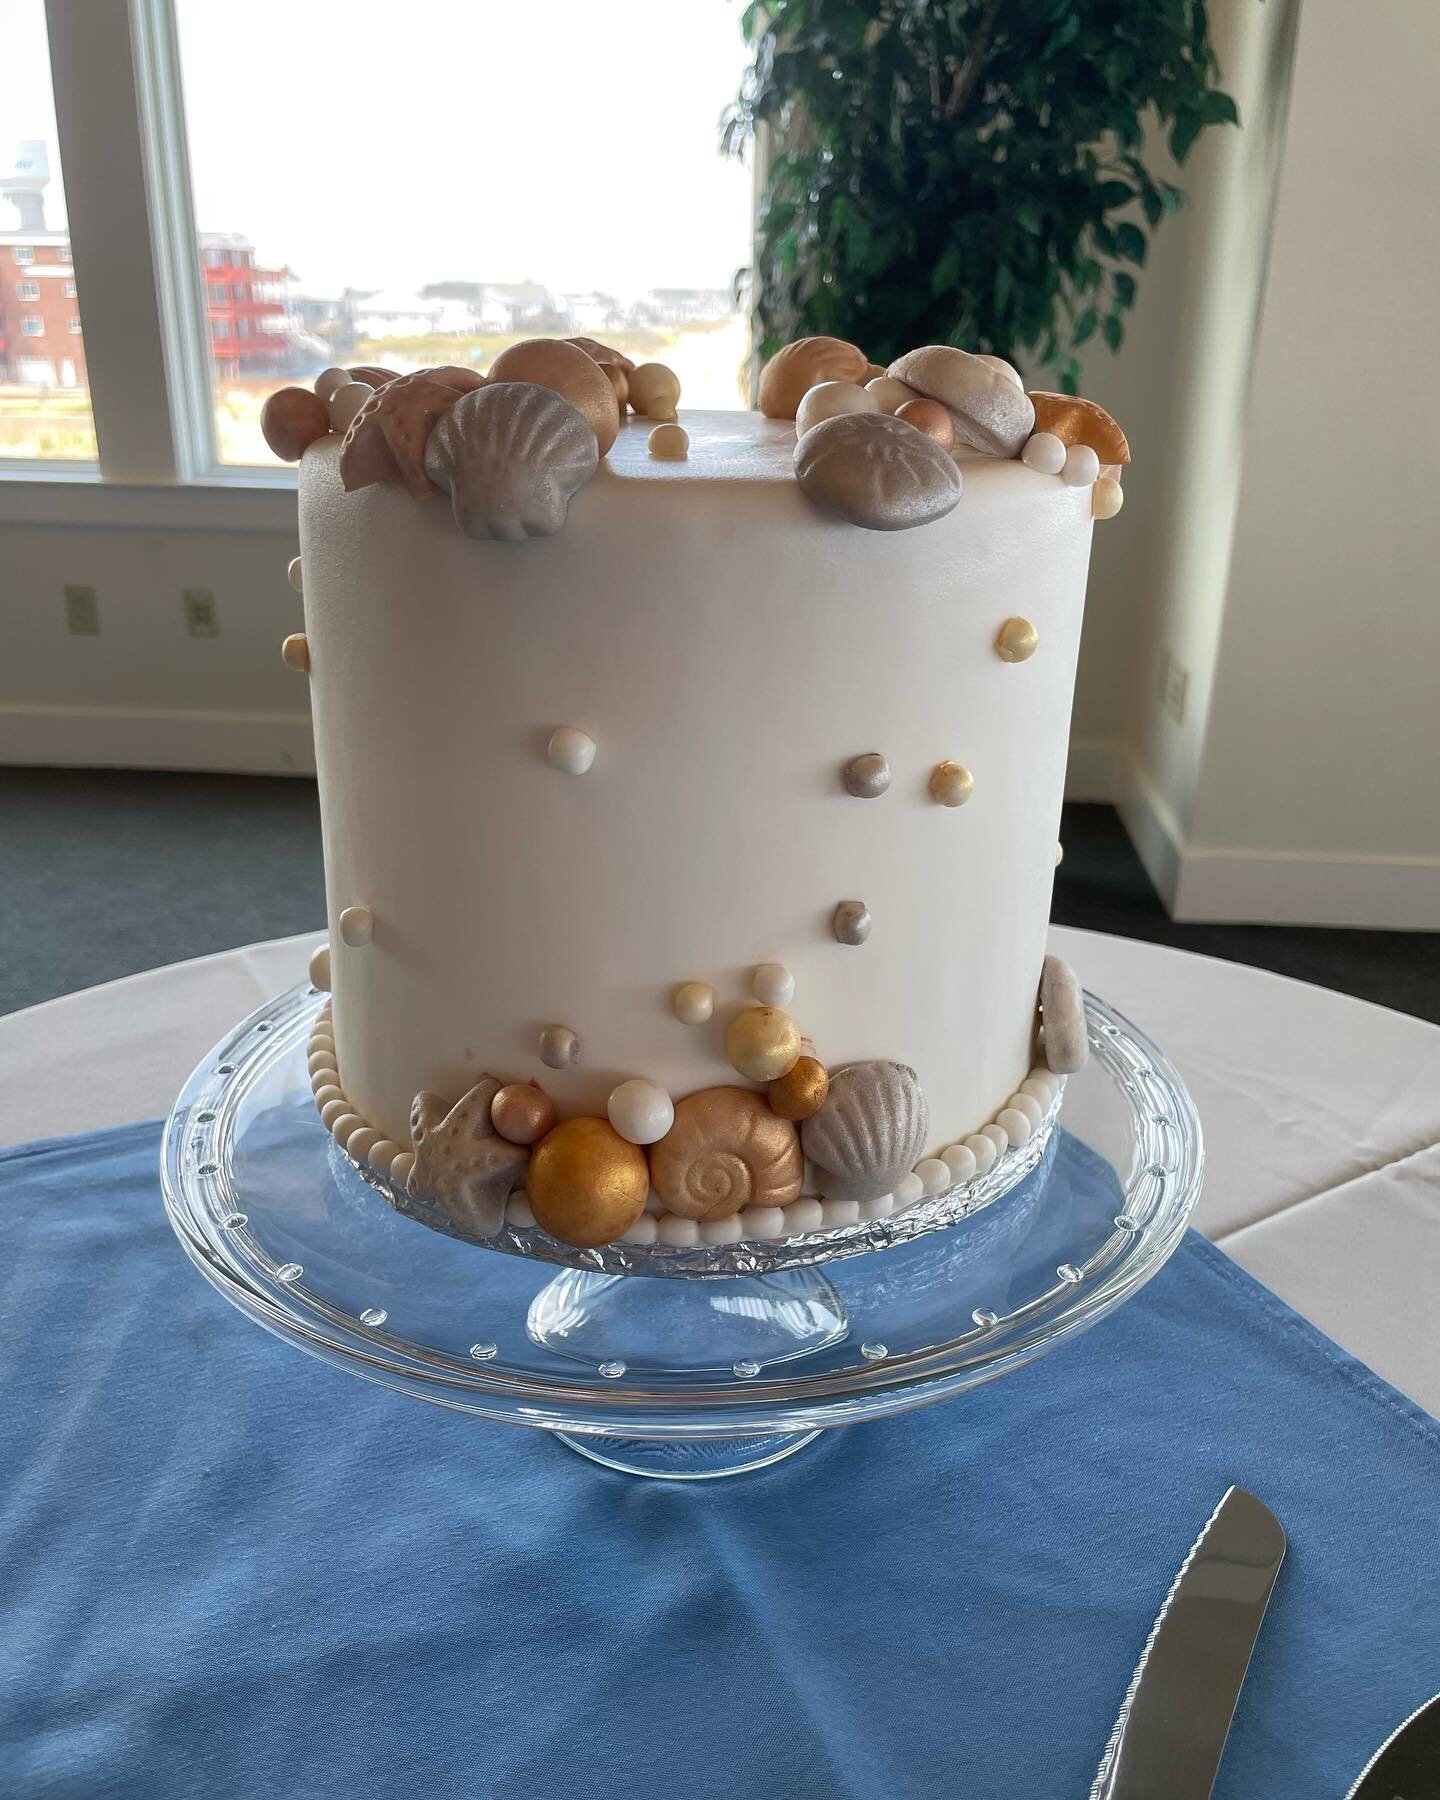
1321, 1113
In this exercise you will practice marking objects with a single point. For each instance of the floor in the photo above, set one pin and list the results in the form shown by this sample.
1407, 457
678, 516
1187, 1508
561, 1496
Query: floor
104, 872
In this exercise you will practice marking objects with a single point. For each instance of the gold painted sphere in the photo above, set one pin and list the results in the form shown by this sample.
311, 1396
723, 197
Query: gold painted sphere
1016, 641
763, 1043
587, 1186
951, 783
552, 363
522, 1114
800, 1093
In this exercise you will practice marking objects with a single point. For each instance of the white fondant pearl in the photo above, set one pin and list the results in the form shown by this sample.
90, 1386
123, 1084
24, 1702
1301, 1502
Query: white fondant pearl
669, 443
1044, 453
983, 1150
836, 1213
518, 1213
1059, 854
1022, 1102
1016, 1125
294, 576
640, 1111
559, 1047
328, 380
320, 967
828, 399
295, 652
325, 1093
643, 1231
891, 394
1106, 498
1008, 370
679, 1233
960, 1160
803, 1216
322, 1062
570, 749
934, 1175
401, 1167
360, 1143
908, 1189
997, 1135
762, 1222
1082, 466
693, 1002
722, 1231
357, 926
772, 984
345, 402
880, 1207
345, 1123
382, 1153
333, 1110
1043, 1087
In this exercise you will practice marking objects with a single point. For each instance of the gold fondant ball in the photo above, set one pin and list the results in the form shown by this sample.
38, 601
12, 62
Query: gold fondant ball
930, 417
522, 1114
802, 1092
570, 373
291, 420
763, 1043
1016, 641
587, 1186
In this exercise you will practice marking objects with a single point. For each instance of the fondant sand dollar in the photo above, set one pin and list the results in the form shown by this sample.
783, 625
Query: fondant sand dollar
510, 456
869, 1132
387, 440
586, 1185
567, 371
292, 419
1077, 421
877, 472
792, 372
1062, 1013
726, 1150
991, 414
462, 1163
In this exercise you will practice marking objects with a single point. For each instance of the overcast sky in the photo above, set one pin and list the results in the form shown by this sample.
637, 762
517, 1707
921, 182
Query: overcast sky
376, 144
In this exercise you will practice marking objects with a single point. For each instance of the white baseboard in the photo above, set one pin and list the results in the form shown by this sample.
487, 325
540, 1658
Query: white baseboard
1201, 884
1093, 769
101, 737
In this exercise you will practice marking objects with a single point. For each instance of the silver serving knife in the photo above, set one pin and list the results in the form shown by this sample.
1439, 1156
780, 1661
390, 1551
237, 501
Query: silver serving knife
1176, 1714
1407, 1764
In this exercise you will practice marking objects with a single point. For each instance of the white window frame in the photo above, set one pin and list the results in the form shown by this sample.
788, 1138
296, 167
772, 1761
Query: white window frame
27, 290
23, 253
32, 325
119, 107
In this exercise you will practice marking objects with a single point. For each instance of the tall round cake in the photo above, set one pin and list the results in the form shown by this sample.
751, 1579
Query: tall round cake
690, 812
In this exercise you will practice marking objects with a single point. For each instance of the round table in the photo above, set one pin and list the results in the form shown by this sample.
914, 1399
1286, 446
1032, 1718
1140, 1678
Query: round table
1321, 1113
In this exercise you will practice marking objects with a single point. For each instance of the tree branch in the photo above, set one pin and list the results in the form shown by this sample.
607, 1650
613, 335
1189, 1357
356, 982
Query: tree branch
972, 70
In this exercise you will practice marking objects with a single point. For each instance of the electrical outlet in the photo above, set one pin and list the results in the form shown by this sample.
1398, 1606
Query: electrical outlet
201, 618
82, 610
1177, 679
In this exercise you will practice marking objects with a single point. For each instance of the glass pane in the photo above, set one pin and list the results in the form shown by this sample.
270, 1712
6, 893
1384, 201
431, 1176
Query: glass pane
422, 186
44, 396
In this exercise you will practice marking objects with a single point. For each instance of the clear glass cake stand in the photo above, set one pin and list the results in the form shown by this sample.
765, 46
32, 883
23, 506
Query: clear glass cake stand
672, 1372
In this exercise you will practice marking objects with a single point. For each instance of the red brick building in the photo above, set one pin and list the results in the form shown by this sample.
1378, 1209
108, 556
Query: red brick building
41, 343
245, 305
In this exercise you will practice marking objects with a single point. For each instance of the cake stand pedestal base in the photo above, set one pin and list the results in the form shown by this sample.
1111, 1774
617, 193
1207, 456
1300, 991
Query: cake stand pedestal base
704, 1460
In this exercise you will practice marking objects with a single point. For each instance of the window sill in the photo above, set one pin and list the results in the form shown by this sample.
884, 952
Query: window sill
248, 501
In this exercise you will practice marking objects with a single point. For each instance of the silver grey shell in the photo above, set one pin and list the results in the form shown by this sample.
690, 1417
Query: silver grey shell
870, 1132
510, 456
876, 471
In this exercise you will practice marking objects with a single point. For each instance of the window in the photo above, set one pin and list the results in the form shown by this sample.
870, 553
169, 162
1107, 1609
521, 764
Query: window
40, 418
73, 326
633, 237
69, 290
219, 294
219, 328
239, 291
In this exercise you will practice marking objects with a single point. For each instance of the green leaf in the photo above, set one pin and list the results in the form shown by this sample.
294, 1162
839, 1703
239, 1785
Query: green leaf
1085, 327
1114, 329
946, 272
1130, 242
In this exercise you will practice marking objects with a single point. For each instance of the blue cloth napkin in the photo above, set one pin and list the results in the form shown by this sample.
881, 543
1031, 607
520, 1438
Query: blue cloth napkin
227, 1570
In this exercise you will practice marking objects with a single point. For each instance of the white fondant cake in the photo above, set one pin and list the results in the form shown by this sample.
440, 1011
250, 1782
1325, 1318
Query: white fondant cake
661, 786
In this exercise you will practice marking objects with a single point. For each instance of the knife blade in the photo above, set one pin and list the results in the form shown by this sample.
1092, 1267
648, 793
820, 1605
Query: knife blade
1407, 1764
1175, 1717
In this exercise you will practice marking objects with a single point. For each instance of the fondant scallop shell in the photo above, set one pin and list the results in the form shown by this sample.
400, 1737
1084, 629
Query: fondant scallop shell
725, 1151
877, 472
870, 1131
792, 372
510, 456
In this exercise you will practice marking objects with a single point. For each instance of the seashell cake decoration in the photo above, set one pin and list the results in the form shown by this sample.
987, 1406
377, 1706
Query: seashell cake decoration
510, 456
462, 1163
870, 1131
726, 1150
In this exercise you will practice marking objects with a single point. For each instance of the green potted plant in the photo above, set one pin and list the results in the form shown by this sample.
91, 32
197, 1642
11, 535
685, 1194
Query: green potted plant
965, 171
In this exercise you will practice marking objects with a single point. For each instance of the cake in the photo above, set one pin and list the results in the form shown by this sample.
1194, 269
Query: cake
690, 781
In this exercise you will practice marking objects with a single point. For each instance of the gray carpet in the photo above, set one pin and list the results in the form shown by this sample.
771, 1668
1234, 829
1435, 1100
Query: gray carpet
104, 872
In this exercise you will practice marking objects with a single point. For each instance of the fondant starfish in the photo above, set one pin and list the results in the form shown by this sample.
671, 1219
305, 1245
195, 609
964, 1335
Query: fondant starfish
461, 1163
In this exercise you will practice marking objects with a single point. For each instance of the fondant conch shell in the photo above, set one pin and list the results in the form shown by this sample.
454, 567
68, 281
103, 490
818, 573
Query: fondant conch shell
510, 456
461, 1163
725, 1151
870, 1131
